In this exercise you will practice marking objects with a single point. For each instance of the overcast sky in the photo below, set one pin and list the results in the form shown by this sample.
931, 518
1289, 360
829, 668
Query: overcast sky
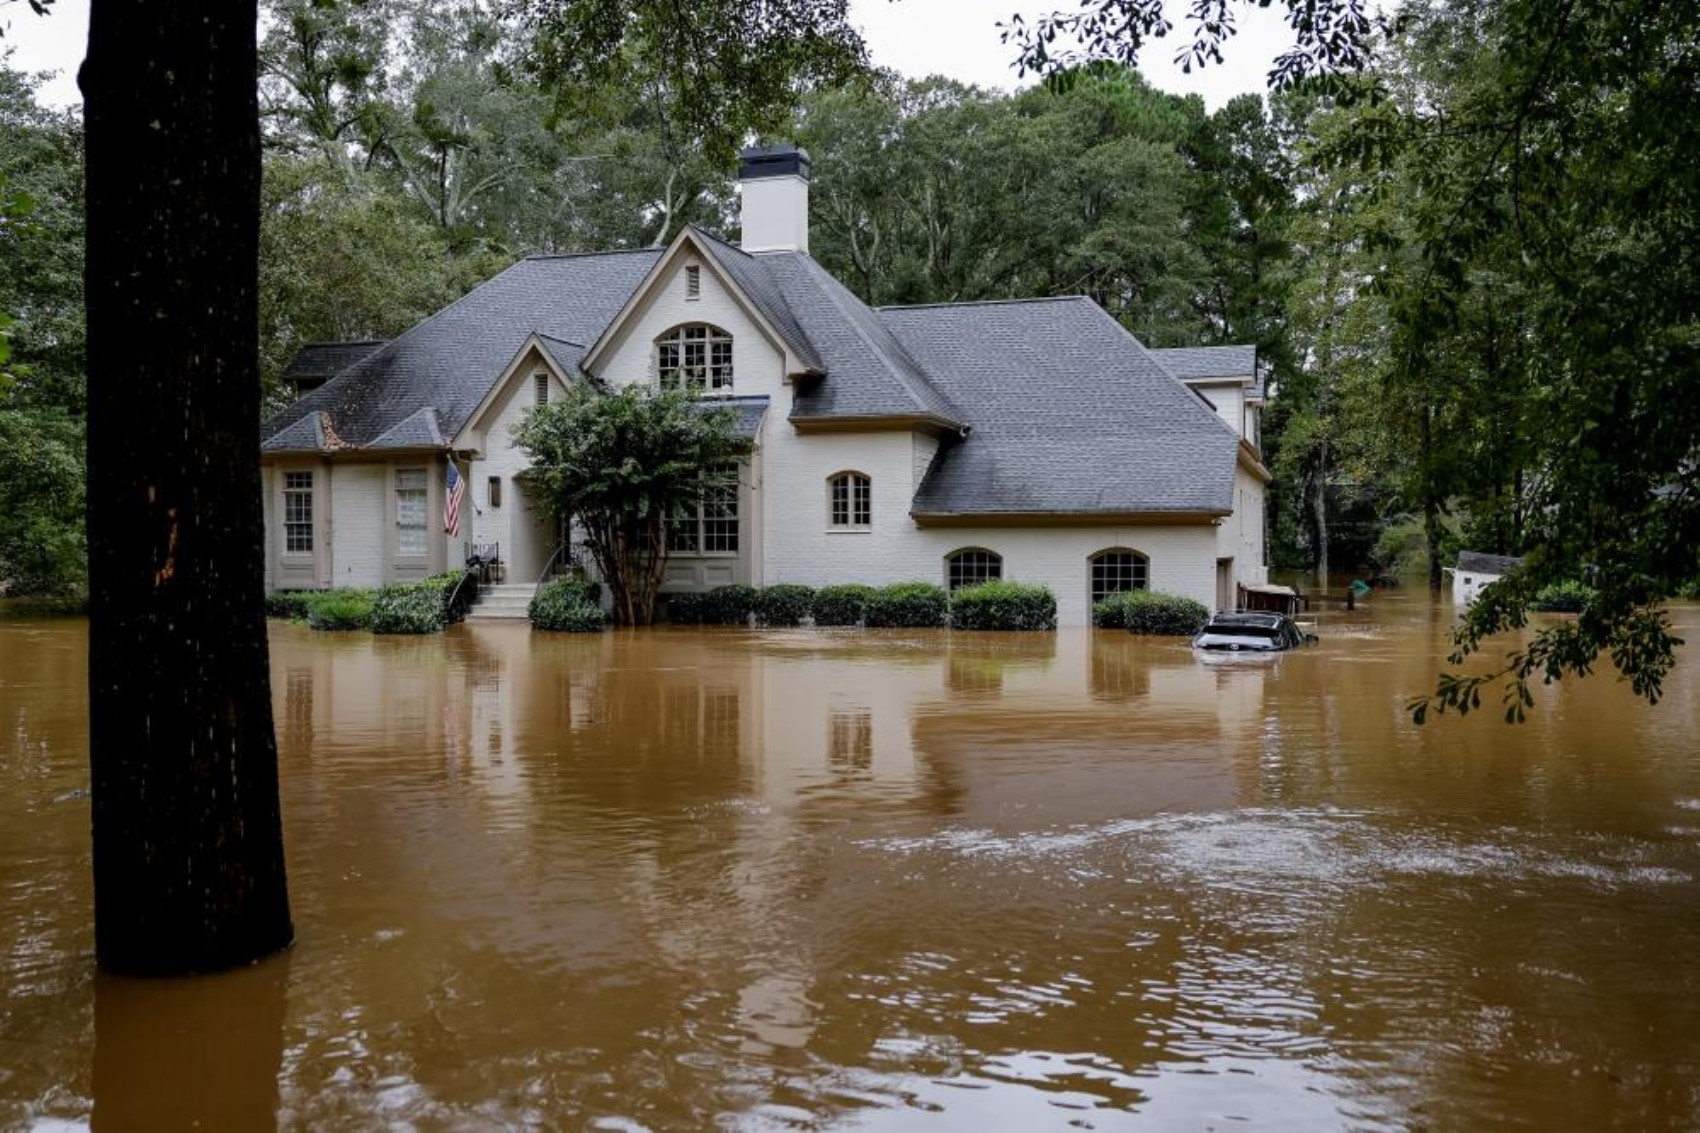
958, 38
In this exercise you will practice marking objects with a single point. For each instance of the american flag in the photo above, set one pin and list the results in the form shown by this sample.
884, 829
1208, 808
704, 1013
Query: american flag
451, 501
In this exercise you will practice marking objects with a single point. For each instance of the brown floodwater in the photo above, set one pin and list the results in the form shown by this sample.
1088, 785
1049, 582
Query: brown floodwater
797, 880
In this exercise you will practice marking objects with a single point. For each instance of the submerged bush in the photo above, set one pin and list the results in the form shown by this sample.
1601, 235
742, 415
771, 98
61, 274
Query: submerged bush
1562, 598
730, 605
291, 604
415, 607
841, 605
684, 609
340, 609
1157, 613
906, 605
785, 604
1003, 605
566, 606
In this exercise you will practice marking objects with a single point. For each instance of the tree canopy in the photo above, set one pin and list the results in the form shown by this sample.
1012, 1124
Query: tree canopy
622, 466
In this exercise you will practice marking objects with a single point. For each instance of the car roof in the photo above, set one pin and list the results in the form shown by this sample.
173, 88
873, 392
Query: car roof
1247, 619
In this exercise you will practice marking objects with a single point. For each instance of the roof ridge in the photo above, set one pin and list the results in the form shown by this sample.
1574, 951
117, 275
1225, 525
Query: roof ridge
539, 256
562, 341
984, 303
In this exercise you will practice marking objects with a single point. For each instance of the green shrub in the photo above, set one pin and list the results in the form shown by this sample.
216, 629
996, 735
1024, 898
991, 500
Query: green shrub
339, 609
785, 604
841, 605
730, 605
685, 609
1562, 598
568, 605
906, 605
291, 604
414, 607
1111, 612
1003, 605
1153, 612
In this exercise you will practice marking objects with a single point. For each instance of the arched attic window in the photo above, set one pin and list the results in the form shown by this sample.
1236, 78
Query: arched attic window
971, 566
1115, 569
694, 356
850, 499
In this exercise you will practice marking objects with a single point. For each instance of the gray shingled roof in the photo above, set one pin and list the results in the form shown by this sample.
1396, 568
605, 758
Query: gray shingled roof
565, 355
1070, 414
1194, 362
449, 361
869, 372
748, 412
320, 361
1474, 562
756, 282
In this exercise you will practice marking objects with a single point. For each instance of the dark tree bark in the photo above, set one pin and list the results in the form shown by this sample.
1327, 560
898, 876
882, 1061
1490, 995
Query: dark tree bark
188, 842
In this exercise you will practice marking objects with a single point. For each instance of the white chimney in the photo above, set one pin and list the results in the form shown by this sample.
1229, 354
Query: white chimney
775, 184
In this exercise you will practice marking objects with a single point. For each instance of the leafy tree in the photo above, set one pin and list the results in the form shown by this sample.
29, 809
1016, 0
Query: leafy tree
623, 465
1545, 149
41, 478
345, 257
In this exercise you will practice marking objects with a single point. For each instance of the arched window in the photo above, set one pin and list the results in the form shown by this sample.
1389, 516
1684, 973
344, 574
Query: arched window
694, 356
850, 496
1116, 569
972, 566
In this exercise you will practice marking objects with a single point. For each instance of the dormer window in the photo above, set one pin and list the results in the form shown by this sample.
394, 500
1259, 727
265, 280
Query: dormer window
694, 356
693, 282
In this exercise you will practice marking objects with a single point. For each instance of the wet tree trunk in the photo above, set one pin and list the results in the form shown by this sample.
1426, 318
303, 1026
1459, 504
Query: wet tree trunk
1431, 503
188, 845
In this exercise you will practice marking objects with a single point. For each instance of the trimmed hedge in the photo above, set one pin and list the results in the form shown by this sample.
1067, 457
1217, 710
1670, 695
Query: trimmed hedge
1562, 598
1156, 613
568, 605
785, 604
907, 605
1003, 605
730, 605
841, 605
340, 609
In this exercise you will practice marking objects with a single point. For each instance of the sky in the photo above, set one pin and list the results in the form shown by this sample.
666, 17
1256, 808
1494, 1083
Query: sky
956, 38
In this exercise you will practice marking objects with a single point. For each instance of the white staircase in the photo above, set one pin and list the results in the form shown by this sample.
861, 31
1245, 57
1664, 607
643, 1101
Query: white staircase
502, 602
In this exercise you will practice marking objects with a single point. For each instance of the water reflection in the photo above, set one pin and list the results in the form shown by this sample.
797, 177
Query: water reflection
680, 879
202, 1053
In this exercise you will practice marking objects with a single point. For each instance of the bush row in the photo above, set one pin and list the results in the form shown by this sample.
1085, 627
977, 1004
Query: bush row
568, 605
1151, 612
425, 606
1562, 598
904, 605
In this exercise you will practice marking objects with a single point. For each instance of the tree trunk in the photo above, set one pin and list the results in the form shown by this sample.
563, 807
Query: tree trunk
1431, 505
1320, 511
188, 841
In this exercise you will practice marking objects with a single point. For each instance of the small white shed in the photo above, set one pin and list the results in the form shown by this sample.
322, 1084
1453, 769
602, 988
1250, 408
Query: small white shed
1476, 570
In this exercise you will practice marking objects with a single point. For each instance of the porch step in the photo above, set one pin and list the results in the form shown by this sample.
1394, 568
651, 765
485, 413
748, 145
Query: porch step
504, 601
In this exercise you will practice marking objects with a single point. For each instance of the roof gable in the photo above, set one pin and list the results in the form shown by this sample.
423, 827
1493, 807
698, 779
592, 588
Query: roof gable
746, 285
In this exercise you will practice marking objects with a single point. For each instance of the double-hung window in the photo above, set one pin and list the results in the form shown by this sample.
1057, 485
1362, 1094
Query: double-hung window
298, 513
709, 525
410, 513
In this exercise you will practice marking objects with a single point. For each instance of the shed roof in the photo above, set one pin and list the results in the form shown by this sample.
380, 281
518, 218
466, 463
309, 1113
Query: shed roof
1474, 562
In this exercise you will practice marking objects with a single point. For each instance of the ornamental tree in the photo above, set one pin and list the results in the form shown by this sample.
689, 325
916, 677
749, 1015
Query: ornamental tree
622, 466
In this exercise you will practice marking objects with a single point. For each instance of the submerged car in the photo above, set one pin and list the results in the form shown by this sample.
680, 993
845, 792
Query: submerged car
1251, 633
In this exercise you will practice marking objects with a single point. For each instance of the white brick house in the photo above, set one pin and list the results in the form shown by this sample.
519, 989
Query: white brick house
1033, 440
